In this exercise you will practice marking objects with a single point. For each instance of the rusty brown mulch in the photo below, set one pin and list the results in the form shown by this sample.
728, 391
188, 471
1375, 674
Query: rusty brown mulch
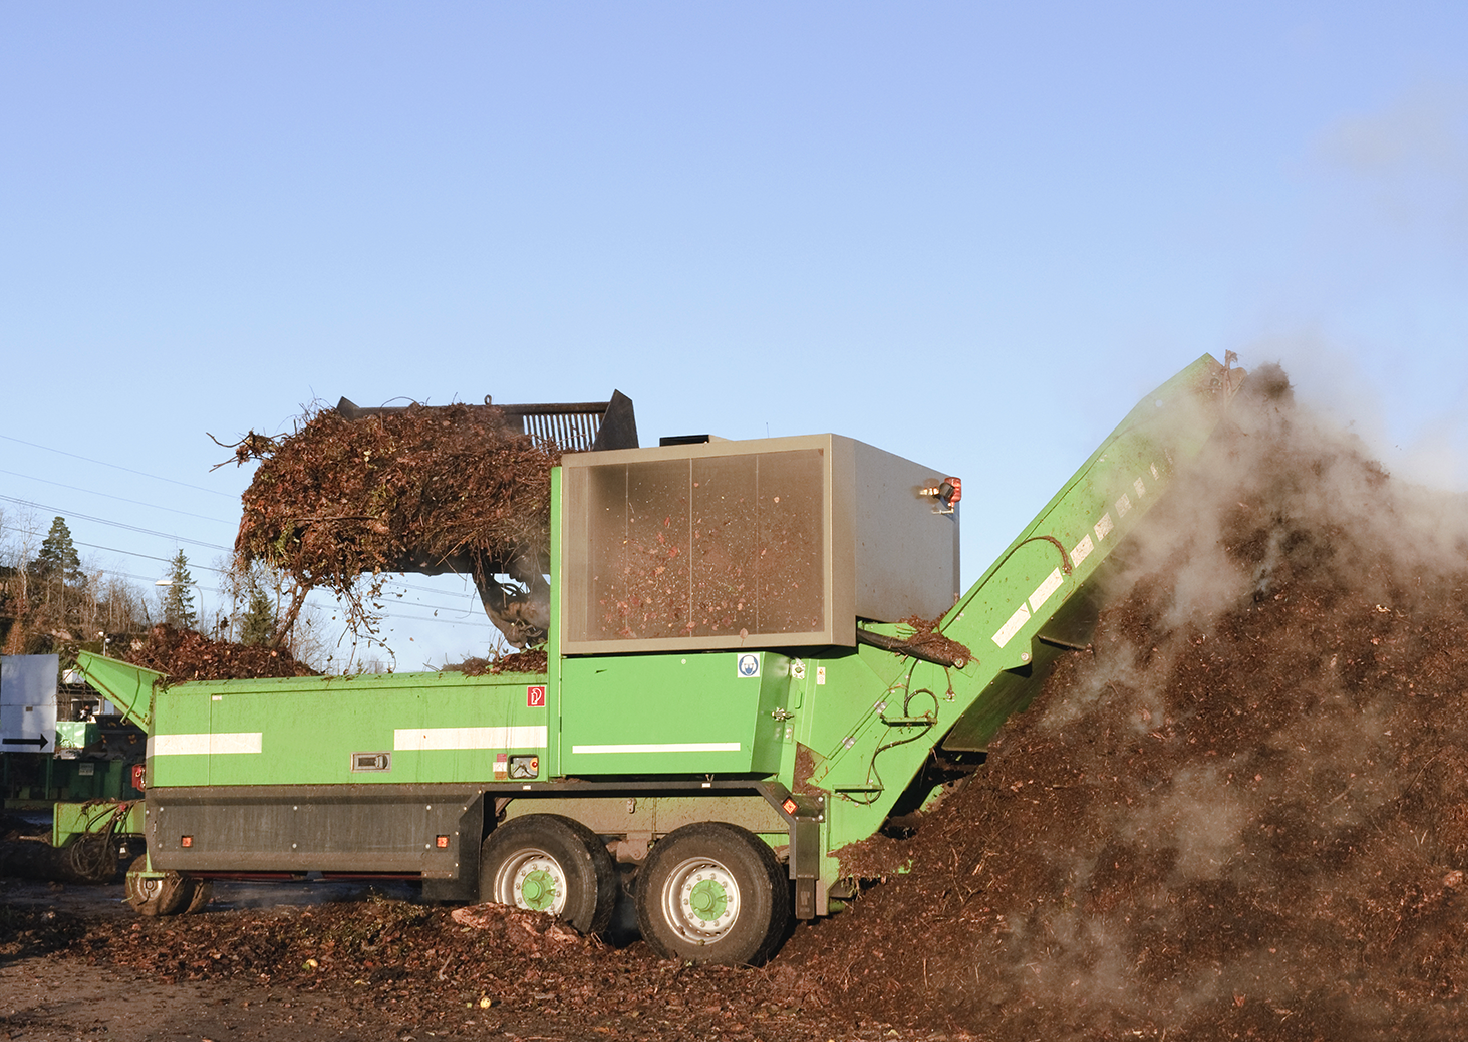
471, 972
395, 492
186, 655
535, 660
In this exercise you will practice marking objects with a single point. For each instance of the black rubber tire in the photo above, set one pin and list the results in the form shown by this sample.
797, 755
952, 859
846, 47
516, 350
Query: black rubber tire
577, 876
201, 893
154, 896
734, 875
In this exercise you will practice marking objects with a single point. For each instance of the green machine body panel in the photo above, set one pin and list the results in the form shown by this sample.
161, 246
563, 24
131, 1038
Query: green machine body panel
404, 728
714, 712
130, 688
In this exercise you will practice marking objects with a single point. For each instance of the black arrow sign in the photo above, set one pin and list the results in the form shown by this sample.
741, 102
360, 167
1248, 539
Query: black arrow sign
39, 743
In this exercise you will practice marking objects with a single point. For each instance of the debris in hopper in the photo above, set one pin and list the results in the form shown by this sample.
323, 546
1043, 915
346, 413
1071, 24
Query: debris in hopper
187, 655
535, 660
723, 557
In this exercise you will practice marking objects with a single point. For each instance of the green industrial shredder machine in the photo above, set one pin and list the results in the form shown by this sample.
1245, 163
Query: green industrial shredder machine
732, 694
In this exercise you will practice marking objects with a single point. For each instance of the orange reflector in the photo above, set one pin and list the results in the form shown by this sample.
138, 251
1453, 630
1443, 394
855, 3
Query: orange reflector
187, 841
443, 843
790, 806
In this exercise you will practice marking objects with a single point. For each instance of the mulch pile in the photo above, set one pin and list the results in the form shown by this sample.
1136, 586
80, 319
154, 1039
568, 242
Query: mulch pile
1243, 814
186, 655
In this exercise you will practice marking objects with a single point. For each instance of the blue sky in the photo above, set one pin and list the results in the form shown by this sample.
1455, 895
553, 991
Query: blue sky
972, 234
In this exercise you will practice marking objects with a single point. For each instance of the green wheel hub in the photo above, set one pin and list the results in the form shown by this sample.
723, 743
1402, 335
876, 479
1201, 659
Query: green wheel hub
708, 899
537, 889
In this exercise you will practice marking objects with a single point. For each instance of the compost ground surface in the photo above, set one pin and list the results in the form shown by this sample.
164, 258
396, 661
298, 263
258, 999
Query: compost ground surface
1240, 815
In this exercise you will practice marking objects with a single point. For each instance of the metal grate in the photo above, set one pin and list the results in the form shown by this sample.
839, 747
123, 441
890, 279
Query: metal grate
571, 425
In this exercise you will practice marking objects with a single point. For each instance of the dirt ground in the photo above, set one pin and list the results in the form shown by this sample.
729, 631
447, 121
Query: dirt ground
75, 963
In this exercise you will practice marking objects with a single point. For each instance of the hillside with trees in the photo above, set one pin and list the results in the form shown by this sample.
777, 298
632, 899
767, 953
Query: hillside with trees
52, 601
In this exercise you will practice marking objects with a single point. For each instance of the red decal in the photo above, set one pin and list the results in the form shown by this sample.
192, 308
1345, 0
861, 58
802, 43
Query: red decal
535, 696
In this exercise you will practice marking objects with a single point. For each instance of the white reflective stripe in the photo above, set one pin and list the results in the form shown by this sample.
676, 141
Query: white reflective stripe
1103, 527
1122, 506
682, 747
205, 744
1009, 629
1045, 589
1141, 488
439, 738
1081, 552
1155, 475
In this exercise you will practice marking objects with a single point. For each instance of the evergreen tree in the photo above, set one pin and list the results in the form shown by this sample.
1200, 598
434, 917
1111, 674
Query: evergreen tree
58, 558
258, 626
178, 601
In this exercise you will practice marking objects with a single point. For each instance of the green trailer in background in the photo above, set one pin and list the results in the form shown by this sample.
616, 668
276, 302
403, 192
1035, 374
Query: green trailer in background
63, 754
732, 695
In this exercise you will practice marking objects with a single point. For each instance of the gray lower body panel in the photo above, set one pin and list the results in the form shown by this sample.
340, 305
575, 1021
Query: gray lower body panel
430, 830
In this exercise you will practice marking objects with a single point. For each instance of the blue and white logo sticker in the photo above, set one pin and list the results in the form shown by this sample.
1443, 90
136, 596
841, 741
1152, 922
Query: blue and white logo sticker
749, 664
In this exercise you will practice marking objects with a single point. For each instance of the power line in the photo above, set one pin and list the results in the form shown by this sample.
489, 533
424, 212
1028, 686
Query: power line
120, 499
114, 466
115, 524
35, 531
396, 604
473, 620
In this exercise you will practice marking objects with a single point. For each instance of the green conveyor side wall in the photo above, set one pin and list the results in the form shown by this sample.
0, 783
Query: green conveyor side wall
130, 688
1071, 539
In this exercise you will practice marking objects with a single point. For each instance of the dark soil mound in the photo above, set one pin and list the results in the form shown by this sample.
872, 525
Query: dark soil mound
1243, 815
186, 655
